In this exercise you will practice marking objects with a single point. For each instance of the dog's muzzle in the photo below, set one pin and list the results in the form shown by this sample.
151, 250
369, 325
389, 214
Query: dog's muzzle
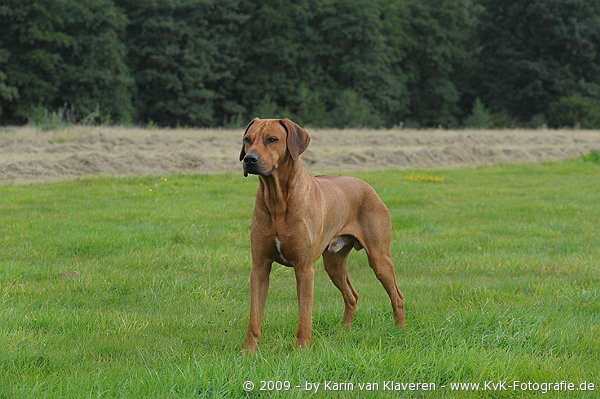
251, 164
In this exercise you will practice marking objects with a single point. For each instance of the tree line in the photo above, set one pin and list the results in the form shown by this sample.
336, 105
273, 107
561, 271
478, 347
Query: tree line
328, 63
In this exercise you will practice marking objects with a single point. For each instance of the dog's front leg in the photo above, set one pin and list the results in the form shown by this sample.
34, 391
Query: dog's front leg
305, 288
259, 286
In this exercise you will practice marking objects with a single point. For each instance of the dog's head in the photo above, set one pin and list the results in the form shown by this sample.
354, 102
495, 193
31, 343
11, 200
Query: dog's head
268, 143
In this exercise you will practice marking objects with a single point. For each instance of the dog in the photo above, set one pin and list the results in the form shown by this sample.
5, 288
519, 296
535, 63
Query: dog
299, 217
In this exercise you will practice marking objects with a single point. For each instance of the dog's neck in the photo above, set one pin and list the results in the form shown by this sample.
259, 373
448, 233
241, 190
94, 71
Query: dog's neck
279, 185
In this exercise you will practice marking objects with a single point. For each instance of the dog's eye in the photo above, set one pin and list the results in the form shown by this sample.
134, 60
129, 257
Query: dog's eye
272, 140
247, 140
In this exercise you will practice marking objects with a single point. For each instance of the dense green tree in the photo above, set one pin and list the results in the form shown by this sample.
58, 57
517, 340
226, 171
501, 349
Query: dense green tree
171, 58
313, 60
356, 59
63, 54
8, 93
32, 38
275, 53
534, 52
574, 111
395, 20
226, 18
436, 51
95, 79
343, 63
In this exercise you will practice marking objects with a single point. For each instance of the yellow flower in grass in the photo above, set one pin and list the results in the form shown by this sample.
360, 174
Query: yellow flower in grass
435, 179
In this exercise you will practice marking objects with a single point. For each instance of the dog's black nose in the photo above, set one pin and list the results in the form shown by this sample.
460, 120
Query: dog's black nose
250, 158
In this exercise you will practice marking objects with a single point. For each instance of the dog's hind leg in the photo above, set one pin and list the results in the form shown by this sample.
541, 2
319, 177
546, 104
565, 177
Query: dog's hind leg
375, 236
336, 265
382, 265
377, 239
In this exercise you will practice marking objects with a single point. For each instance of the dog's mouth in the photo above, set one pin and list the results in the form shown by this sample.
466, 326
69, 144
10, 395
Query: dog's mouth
252, 169
256, 170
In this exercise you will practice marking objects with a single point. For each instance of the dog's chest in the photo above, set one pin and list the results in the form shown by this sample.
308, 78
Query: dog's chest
294, 243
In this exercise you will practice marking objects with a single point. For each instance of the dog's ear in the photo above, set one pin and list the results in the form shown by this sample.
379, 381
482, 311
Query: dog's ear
297, 138
243, 153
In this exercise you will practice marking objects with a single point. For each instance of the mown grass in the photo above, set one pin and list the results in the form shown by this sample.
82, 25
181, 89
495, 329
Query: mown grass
139, 287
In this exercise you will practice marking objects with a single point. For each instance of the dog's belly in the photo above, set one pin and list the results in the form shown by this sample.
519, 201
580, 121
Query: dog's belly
335, 245
339, 242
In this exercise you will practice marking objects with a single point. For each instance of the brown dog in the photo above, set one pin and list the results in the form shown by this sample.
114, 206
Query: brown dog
298, 217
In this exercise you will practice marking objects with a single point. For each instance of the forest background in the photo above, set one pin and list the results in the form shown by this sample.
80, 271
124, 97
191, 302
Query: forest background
323, 63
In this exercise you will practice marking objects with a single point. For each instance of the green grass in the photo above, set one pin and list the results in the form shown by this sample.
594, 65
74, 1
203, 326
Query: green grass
593, 156
108, 289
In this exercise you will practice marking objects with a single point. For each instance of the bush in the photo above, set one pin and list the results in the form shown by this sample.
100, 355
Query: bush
537, 121
480, 117
266, 108
574, 111
502, 120
351, 110
46, 120
311, 108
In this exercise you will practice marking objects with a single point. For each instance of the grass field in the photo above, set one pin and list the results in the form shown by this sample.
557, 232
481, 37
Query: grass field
139, 287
